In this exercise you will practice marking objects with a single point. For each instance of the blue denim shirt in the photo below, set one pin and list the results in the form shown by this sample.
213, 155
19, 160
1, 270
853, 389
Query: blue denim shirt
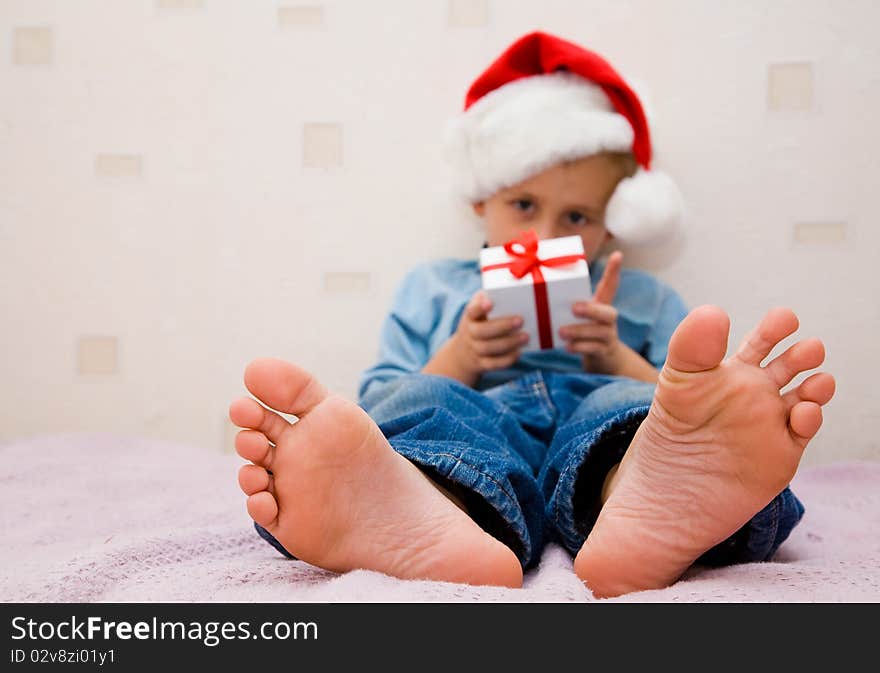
429, 302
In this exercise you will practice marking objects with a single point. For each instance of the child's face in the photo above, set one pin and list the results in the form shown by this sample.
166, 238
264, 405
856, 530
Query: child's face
565, 200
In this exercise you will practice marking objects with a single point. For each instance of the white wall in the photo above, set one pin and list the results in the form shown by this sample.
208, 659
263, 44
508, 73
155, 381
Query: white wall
163, 220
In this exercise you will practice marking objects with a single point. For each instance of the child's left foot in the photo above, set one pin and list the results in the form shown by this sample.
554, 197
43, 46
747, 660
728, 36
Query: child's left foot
334, 493
719, 443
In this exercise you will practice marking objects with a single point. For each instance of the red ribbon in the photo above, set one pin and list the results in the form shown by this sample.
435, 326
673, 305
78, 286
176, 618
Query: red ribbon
528, 261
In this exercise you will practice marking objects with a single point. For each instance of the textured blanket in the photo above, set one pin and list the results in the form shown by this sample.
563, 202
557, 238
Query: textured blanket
101, 518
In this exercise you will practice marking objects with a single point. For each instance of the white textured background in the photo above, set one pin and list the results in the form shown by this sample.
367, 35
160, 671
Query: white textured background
188, 184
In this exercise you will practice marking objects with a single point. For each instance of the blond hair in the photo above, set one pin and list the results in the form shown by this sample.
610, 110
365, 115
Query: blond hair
624, 162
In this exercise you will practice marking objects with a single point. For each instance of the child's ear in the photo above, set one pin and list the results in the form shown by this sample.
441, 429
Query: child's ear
479, 208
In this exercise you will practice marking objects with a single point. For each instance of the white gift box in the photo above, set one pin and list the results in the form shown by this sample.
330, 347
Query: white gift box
544, 306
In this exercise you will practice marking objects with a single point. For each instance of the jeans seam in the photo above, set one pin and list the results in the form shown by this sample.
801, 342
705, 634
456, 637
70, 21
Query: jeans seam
602, 430
460, 461
768, 537
775, 527
556, 500
541, 388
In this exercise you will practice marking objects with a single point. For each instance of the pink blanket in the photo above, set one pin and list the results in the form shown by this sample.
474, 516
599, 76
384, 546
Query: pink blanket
101, 518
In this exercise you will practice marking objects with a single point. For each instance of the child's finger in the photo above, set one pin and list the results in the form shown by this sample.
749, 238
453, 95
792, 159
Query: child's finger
497, 327
603, 313
488, 363
607, 287
586, 331
586, 347
479, 306
502, 345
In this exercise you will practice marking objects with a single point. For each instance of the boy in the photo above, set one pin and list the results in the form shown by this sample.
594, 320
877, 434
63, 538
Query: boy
464, 454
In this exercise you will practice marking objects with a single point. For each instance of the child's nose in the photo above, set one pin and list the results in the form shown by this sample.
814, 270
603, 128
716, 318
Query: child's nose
546, 230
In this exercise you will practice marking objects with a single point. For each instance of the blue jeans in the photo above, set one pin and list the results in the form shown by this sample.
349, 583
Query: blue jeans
528, 458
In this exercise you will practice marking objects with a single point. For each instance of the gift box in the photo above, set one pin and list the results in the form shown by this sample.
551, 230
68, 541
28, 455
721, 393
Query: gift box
539, 281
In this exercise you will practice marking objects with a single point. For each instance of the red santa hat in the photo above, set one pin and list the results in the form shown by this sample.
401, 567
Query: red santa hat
546, 100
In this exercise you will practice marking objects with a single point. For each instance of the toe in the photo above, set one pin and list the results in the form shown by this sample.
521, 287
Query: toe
283, 386
255, 447
800, 357
254, 479
774, 327
700, 341
804, 421
818, 388
263, 509
248, 413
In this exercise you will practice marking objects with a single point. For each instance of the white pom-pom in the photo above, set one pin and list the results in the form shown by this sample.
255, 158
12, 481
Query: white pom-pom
644, 208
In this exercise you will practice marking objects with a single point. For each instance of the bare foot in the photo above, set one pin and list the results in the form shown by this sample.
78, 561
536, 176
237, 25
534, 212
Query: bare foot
719, 443
336, 494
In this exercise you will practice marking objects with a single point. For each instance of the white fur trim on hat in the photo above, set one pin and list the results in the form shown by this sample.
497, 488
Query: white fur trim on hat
644, 208
527, 126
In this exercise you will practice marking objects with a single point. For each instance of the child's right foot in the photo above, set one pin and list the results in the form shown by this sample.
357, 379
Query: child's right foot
720, 441
336, 494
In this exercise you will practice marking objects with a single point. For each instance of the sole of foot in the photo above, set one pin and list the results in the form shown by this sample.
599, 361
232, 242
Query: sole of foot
720, 441
334, 493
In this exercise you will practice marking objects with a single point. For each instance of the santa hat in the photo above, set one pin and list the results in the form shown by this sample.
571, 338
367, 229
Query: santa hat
546, 100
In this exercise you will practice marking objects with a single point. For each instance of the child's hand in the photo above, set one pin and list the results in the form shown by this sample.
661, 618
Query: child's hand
483, 344
598, 341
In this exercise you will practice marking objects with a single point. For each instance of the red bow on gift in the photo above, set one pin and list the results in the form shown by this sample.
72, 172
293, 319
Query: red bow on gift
527, 261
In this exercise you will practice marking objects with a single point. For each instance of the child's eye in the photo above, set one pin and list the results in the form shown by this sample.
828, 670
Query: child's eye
576, 218
522, 204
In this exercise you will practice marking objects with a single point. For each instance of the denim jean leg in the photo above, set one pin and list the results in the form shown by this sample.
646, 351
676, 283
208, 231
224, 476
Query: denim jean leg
472, 445
762, 536
595, 437
587, 444
268, 537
